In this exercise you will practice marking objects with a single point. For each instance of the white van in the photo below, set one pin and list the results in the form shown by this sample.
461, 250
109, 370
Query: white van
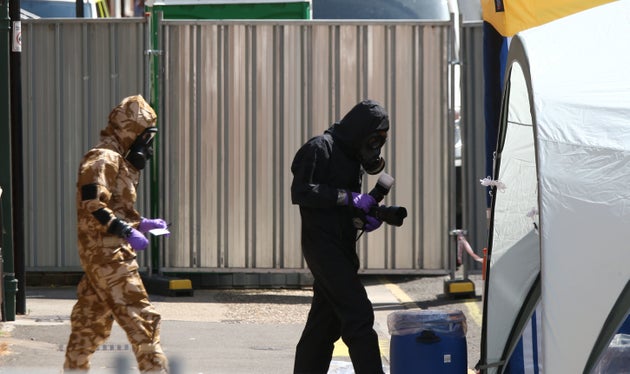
65, 8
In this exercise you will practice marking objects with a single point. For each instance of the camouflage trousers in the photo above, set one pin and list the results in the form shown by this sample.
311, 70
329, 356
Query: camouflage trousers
108, 292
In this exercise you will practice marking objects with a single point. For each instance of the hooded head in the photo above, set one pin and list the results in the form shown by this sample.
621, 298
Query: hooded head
362, 133
131, 129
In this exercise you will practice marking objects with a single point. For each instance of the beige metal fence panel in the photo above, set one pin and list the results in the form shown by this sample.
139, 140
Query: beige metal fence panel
73, 73
239, 99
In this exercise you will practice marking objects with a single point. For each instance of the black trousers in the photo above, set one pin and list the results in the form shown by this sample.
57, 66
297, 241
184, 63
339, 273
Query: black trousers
340, 308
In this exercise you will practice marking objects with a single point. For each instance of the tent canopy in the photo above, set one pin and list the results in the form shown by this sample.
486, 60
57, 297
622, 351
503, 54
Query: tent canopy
557, 238
512, 16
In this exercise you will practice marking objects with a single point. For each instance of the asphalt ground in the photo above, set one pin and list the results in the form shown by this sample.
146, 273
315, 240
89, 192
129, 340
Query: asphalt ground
223, 330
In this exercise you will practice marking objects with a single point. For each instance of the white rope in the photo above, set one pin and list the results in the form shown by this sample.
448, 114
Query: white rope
487, 181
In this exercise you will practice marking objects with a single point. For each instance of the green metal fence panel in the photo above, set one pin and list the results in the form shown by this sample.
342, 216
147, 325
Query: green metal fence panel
218, 9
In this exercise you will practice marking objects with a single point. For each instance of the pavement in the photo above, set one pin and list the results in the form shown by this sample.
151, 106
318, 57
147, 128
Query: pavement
221, 330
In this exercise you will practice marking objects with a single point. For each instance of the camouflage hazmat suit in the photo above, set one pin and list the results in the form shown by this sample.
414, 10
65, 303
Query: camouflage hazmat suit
111, 288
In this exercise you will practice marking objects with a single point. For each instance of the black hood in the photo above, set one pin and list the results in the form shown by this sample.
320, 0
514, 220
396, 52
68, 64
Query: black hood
364, 119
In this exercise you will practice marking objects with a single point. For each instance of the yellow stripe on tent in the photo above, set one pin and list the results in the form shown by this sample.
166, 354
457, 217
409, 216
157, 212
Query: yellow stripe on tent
519, 15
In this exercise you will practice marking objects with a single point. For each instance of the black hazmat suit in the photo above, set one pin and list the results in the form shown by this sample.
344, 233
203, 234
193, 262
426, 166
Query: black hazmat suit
324, 166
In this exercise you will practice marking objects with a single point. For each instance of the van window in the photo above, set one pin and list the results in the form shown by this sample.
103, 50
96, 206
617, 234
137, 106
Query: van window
381, 9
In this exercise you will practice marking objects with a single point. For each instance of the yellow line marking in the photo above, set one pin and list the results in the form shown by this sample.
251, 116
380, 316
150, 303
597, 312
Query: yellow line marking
341, 350
384, 345
474, 312
399, 293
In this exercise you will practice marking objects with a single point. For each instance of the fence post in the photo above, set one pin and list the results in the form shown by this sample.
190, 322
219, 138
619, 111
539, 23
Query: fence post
5, 162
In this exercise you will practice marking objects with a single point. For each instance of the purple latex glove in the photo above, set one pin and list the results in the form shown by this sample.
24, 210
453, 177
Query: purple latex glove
372, 223
137, 240
147, 224
363, 201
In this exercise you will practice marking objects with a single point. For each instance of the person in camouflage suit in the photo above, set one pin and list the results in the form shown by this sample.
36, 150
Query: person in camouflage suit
109, 231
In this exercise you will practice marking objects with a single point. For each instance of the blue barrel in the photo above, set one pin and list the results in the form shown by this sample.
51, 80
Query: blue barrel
427, 341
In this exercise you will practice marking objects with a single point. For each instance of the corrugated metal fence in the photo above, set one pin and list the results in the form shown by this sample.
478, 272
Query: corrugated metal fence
73, 73
237, 100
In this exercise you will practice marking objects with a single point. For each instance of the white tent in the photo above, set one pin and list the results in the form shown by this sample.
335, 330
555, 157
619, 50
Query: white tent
560, 229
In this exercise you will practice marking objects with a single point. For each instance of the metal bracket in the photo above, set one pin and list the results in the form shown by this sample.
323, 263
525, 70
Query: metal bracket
458, 232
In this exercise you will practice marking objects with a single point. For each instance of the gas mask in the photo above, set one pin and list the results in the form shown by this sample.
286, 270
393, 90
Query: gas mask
370, 152
141, 149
